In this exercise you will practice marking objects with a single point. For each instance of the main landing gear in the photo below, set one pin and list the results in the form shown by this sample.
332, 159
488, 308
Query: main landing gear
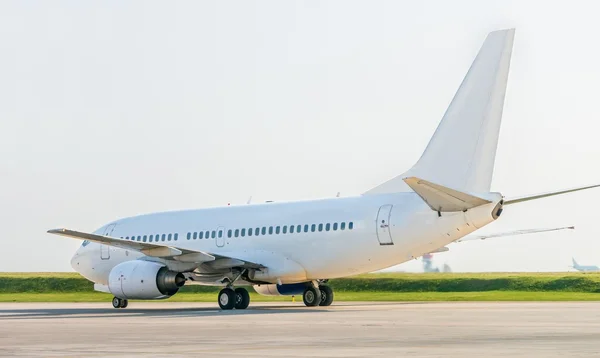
321, 295
230, 298
119, 302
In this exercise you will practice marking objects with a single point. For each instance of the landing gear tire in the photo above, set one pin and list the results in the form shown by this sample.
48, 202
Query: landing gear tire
242, 298
119, 303
311, 296
326, 295
227, 299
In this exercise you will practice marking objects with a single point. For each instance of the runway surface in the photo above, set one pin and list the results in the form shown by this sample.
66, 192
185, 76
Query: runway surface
351, 329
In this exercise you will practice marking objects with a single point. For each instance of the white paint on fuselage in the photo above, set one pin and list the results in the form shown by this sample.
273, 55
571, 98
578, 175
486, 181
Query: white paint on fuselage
415, 230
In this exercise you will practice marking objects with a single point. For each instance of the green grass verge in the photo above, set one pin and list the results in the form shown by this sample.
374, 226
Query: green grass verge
71, 287
339, 296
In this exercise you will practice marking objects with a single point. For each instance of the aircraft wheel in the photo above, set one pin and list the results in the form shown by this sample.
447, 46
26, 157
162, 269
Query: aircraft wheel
117, 302
326, 295
242, 298
311, 296
227, 299
124, 303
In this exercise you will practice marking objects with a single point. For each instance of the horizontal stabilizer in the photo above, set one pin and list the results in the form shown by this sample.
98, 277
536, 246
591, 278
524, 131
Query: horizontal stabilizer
442, 199
512, 233
545, 195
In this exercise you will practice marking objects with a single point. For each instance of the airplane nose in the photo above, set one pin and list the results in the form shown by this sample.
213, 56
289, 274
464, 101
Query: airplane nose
75, 261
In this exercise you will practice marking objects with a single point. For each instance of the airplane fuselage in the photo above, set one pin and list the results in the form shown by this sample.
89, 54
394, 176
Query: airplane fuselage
296, 241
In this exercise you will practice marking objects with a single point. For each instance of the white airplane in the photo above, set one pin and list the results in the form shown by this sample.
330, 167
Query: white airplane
293, 248
583, 268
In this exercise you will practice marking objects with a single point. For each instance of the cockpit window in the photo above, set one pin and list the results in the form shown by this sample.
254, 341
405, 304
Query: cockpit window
85, 243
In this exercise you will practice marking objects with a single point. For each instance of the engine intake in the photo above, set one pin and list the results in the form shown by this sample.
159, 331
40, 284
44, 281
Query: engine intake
144, 280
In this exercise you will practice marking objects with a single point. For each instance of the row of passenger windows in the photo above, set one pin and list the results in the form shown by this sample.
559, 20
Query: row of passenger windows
285, 229
152, 238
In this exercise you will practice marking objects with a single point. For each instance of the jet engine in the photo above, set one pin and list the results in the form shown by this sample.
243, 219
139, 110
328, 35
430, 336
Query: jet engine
144, 280
294, 289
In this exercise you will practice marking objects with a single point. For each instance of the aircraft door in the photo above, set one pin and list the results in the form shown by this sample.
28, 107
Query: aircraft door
105, 249
220, 240
384, 234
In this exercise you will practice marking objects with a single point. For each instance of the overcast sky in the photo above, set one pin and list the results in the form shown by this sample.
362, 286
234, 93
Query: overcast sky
116, 108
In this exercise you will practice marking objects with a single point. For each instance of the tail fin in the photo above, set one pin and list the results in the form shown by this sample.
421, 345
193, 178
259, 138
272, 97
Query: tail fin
575, 264
461, 153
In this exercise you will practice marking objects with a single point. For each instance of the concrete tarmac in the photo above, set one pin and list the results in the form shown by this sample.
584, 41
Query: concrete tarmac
345, 329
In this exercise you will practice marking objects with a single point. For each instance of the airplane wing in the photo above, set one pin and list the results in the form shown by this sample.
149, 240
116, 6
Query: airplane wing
156, 250
512, 233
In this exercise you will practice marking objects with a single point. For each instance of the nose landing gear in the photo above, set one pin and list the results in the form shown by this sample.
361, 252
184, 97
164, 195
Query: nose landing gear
119, 302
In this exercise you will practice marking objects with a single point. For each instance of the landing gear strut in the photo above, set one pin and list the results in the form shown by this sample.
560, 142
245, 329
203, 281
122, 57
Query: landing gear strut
230, 299
119, 302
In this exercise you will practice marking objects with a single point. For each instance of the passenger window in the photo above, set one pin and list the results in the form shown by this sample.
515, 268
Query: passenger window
164, 237
342, 226
237, 232
292, 229
284, 229
277, 230
313, 227
175, 236
350, 225
256, 231
151, 236
263, 231
243, 232
126, 237
139, 238
306, 228
250, 232
229, 233
206, 234
327, 227
194, 236
169, 237
200, 234
270, 230
320, 227
334, 226
144, 239
213, 234
299, 228
189, 235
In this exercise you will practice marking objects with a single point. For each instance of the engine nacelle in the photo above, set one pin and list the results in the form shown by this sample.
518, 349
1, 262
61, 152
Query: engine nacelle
294, 289
144, 280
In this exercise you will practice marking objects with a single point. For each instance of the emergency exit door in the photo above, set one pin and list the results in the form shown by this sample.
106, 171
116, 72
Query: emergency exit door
384, 234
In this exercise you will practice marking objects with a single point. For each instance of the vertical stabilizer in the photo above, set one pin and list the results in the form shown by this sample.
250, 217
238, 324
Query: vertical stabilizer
461, 153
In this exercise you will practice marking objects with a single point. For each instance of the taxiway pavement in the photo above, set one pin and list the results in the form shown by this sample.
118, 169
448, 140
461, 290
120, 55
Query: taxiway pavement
345, 329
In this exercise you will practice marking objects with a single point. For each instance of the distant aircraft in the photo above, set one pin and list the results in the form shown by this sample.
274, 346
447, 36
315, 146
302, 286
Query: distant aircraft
292, 248
579, 267
428, 265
